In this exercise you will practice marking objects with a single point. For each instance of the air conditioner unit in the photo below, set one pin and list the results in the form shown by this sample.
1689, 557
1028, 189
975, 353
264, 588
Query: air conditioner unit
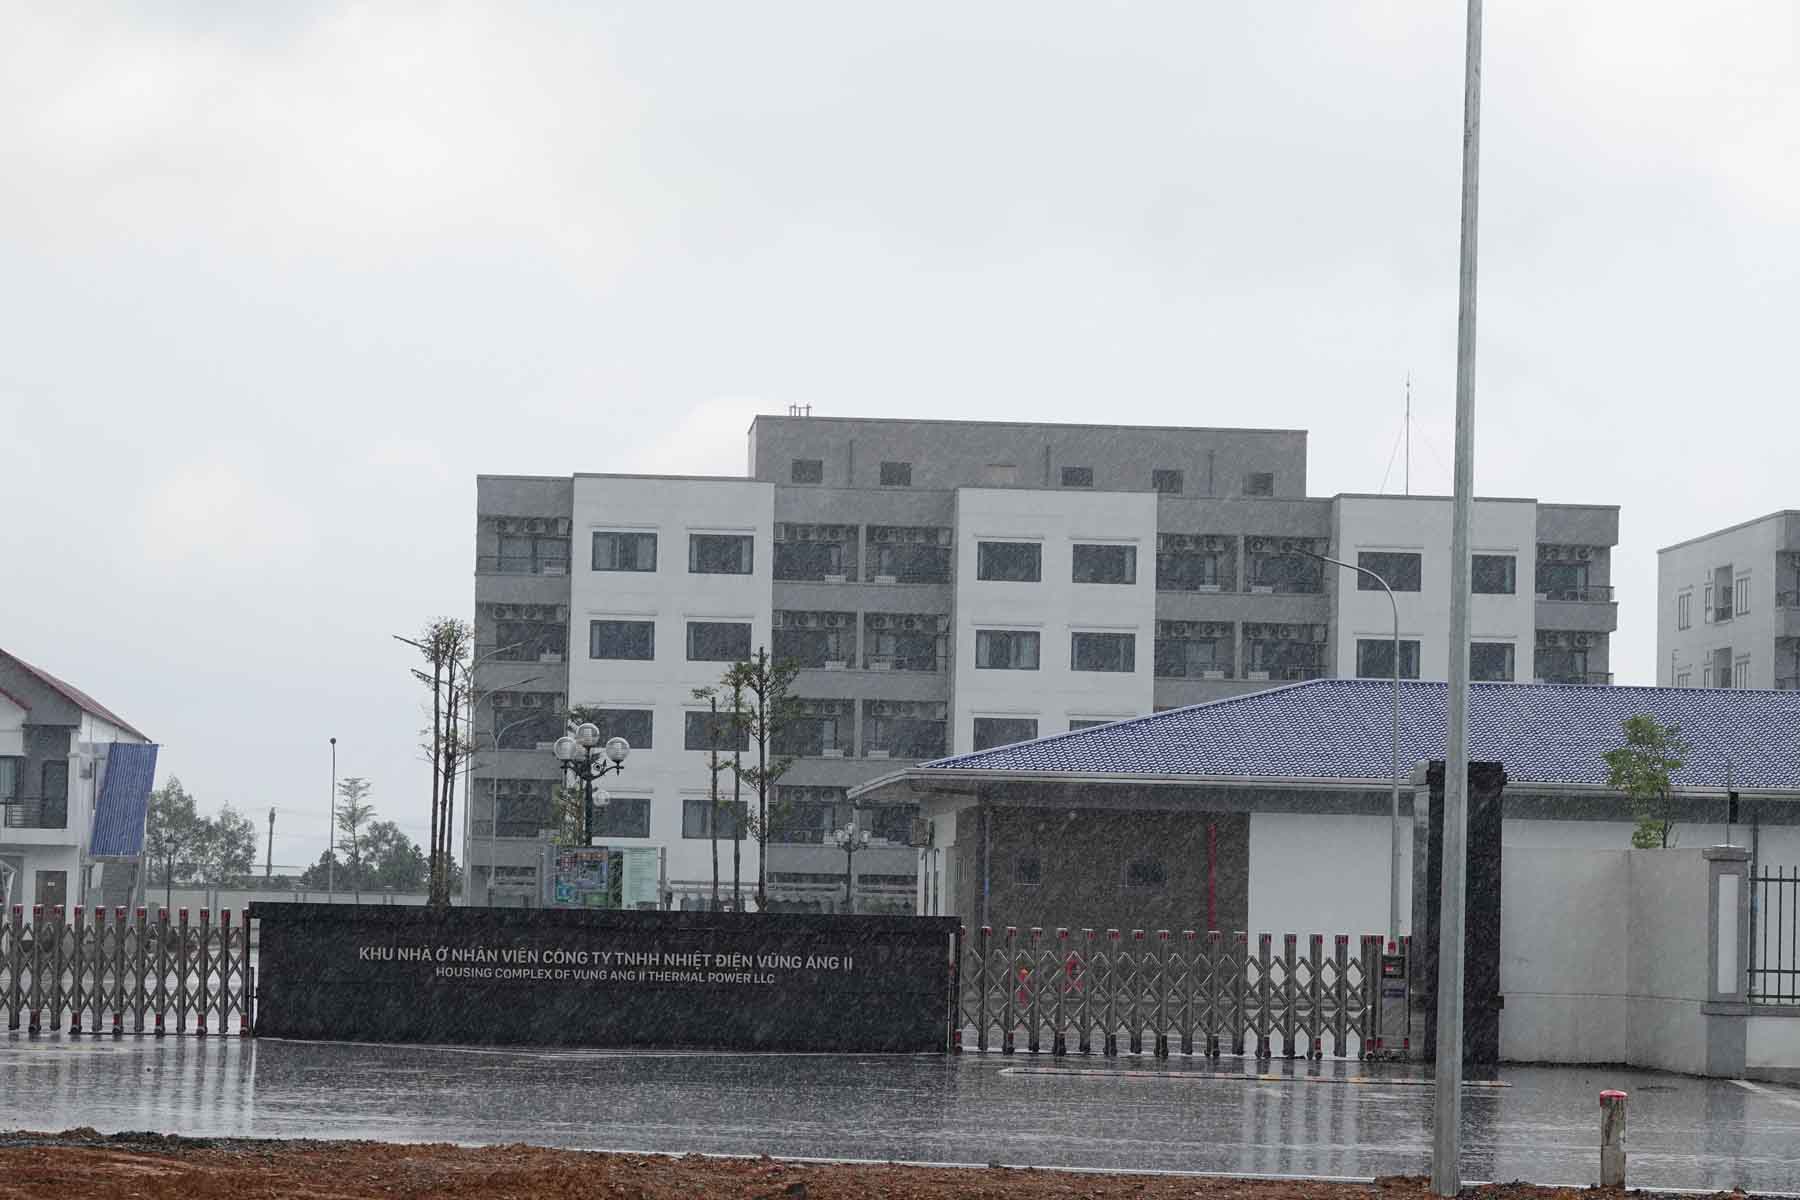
879, 754
556, 569
503, 700
910, 623
835, 665
551, 656
1257, 545
876, 620
881, 664
503, 612
885, 579
1584, 552
1212, 673
1262, 589
1580, 639
836, 578
832, 752
1285, 632
1207, 587
533, 700
534, 526
834, 620
801, 620
1256, 675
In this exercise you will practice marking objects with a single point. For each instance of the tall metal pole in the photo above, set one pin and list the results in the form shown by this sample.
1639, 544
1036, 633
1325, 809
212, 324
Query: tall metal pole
331, 834
1446, 1172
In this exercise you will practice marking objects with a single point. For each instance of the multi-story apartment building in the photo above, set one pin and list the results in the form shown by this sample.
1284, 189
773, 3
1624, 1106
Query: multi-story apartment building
948, 586
1728, 607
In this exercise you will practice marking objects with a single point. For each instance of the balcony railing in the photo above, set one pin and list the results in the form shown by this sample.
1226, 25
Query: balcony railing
35, 812
928, 663
1787, 599
1578, 595
1285, 674
526, 653
519, 564
1579, 677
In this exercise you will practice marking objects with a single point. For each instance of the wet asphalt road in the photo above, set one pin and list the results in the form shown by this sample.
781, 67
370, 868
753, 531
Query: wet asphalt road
1128, 1113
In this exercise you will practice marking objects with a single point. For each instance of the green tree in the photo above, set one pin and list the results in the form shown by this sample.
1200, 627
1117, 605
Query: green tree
768, 712
172, 835
227, 852
353, 812
1641, 769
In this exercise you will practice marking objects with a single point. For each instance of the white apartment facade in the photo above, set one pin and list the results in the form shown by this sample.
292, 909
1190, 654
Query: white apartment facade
949, 586
1728, 607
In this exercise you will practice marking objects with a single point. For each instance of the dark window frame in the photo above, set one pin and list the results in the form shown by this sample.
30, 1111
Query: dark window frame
695, 733
594, 635
987, 637
806, 470
1144, 873
1259, 483
606, 825
1481, 568
621, 535
991, 553
1129, 551
1402, 570
1077, 477
1409, 648
692, 626
1028, 868
1511, 656
708, 815
623, 722
896, 474
744, 541
1127, 654
975, 731
1160, 477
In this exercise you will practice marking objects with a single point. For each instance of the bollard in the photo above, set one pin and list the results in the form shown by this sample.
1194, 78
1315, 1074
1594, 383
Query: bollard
1612, 1139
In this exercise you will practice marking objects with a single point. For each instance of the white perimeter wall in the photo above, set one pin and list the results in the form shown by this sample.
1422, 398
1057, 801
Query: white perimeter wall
1603, 956
1325, 873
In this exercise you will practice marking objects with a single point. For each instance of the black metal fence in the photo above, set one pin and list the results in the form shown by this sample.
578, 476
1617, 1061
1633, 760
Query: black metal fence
1184, 992
1775, 936
105, 972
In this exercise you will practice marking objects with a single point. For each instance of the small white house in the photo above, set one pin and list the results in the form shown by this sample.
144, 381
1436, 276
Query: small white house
75, 782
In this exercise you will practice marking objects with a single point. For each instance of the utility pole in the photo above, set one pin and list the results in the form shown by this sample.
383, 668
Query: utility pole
1408, 433
269, 862
1446, 1169
331, 834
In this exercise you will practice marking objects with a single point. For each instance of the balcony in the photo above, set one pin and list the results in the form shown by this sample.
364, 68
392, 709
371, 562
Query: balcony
1284, 674
36, 812
1578, 595
519, 564
927, 663
1787, 599
1597, 678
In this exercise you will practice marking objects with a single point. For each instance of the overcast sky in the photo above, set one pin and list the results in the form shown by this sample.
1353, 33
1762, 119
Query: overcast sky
277, 281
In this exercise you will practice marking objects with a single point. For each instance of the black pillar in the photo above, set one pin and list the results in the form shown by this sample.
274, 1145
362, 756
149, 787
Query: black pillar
1481, 924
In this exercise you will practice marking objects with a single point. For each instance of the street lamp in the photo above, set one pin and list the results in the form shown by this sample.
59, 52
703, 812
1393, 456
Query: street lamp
850, 839
583, 756
1394, 825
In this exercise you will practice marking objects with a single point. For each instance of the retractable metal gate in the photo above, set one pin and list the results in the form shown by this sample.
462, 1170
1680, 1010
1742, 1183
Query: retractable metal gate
1078, 990
105, 971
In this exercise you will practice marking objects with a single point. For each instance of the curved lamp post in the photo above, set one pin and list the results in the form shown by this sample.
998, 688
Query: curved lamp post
850, 839
583, 756
1394, 826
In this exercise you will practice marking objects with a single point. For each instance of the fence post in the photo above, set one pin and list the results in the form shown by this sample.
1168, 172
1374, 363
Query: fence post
1215, 984
981, 998
1264, 993
1135, 998
77, 996
120, 997
1009, 1007
203, 990
954, 1043
247, 980
59, 924
1086, 1036
1160, 1047
1109, 1045
15, 966
224, 970
161, 1000
1189, 964
1030, 982
97, 996
139, 999
1340, 996
1240, 994
36, 1024
1612, 1139
1290, 993
1059, 1041
1315, 994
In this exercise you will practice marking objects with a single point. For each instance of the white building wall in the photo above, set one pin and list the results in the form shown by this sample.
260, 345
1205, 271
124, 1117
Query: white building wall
1687, 569
671, 596
1422, 525
12, 729
1325, 873
1055, 606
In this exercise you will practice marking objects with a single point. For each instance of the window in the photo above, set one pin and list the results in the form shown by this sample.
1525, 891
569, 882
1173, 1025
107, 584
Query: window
1003, 731
9, 782
527, 640
1087, 722
1028, 868
1684, 678
699, 818
1562, 580
1103, 652
720, 553
1192, 658
1491, 661
904, 728
1707, 614
1259, 483
622, 639
1277, 565
718, 641
1000, 475
1146, 873
1741, 594
896, 474
1187, 570
1006, 649
635, 725
1375, 658
1564, 664
909, 554
1078, 477
703, 731
1740, 673
1105, 564
522, 808
1401, 569
624, 551
799, 561
1684, 610
1166, 481
1009, 562
798, 822
1493, 574
527, 720
807, 470
55, 780
814, 734
622, 817
527, 554
814, 639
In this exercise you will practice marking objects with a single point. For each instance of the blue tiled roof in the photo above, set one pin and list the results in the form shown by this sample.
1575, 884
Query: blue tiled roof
1343, 729
124, 794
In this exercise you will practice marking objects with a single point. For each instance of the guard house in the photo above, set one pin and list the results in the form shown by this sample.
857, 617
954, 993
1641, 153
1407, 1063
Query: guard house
75, 781
1270, 812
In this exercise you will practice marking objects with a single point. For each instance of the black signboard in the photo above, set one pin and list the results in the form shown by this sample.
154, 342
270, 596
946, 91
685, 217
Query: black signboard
775, 981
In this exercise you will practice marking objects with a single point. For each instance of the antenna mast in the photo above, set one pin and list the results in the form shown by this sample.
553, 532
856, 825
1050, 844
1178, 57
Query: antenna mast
1408, 433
